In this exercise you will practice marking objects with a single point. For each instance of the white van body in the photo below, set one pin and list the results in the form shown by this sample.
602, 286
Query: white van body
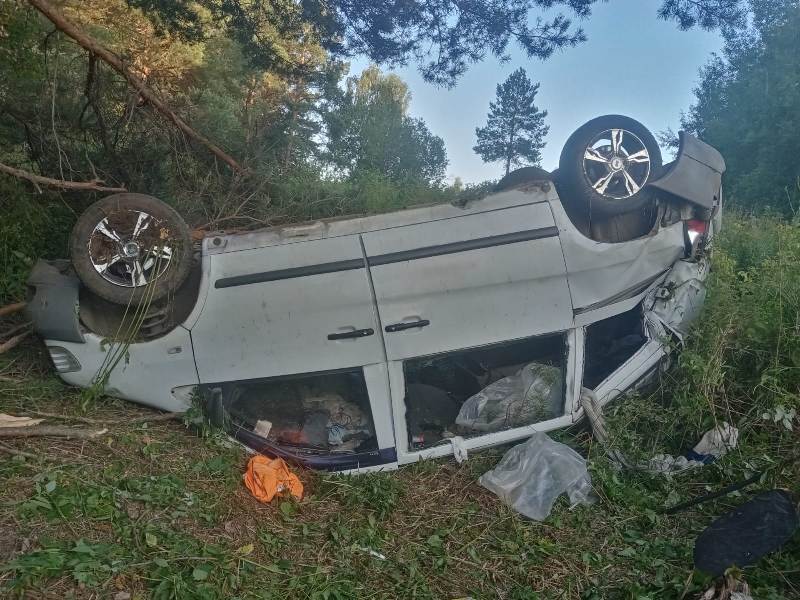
375, 295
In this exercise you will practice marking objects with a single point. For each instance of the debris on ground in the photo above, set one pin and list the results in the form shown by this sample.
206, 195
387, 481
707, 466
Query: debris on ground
728, 588
371, 552
750, 531
531, 476
12, 421
270, 477
714, 444
15, 335
12, 426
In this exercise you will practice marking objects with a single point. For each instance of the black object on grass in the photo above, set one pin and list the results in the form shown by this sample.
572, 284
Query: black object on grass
752, 530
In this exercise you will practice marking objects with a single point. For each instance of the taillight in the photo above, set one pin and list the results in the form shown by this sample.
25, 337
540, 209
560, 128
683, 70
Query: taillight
696, 226
695, 232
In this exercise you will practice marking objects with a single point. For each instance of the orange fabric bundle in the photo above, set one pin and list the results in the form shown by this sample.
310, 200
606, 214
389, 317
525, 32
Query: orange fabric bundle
268, 477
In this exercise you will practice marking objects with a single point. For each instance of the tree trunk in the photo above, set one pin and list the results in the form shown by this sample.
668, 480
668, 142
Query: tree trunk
93, 46
510, 147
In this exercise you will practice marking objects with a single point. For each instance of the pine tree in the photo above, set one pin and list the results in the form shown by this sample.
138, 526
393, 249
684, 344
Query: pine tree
515, 129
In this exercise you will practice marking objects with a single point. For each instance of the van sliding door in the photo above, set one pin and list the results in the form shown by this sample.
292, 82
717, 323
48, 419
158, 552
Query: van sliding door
470, 280
291, 308
289, 340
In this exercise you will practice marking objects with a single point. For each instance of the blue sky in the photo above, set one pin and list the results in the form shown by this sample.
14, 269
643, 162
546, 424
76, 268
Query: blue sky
632, 64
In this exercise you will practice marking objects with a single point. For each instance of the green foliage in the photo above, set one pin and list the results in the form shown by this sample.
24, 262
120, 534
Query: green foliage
31, 227
515, 131
87, 563
313, 149
379, 492
65, 495
303, 196
707, 15
749, 340
748, 107
444, 37
369, 131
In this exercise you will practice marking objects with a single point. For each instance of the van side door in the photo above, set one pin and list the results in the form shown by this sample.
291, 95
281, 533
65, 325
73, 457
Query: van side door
469, 280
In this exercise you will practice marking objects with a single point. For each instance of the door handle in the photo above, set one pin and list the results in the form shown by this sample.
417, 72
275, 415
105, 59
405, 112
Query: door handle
403, 326
347, 335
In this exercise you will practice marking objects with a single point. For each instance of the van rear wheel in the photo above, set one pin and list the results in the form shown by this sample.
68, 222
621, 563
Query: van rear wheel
606, 164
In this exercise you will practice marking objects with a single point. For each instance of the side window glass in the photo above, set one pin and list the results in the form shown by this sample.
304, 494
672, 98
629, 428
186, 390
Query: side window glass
314, 414
484, 390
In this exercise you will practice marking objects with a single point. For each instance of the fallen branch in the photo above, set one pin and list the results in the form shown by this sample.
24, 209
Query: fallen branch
93, 46
48, 415
144, 419
91, 186
15, 330
162, 417
12, 308
15, 421
15, 452
51, 431
13, 342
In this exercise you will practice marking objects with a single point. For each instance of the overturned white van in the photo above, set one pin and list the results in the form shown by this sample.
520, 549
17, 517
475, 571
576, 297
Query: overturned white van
370, 342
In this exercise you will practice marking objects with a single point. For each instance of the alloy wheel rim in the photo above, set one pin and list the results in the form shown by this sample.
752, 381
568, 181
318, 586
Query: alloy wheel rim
130, 248
616, 164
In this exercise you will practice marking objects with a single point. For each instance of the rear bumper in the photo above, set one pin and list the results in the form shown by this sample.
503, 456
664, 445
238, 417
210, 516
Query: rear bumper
695, 176
54, 305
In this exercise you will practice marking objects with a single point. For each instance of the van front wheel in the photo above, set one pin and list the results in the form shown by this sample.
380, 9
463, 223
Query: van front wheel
131, 249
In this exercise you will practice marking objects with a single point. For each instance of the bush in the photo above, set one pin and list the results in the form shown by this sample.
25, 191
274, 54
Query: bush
270, 199
32, 227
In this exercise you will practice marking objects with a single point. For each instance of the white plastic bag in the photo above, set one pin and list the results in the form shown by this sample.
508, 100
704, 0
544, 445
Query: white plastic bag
530, 396
532, 475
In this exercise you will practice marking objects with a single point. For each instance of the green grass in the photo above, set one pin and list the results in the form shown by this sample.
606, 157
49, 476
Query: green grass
156, 511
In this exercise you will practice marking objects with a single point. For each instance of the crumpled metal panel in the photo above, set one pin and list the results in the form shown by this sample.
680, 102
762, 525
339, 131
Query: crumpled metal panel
54, 307
601, 273
679, 300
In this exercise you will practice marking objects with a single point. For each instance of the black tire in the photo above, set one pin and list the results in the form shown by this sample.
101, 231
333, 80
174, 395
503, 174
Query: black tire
625, 190
520, 177
166, 234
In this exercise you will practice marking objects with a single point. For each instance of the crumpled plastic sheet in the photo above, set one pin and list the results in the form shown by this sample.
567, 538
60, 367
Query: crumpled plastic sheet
531, 476
532, 395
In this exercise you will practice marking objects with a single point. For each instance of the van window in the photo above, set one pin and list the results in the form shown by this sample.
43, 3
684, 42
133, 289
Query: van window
484, 390
610, 343
319, 413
